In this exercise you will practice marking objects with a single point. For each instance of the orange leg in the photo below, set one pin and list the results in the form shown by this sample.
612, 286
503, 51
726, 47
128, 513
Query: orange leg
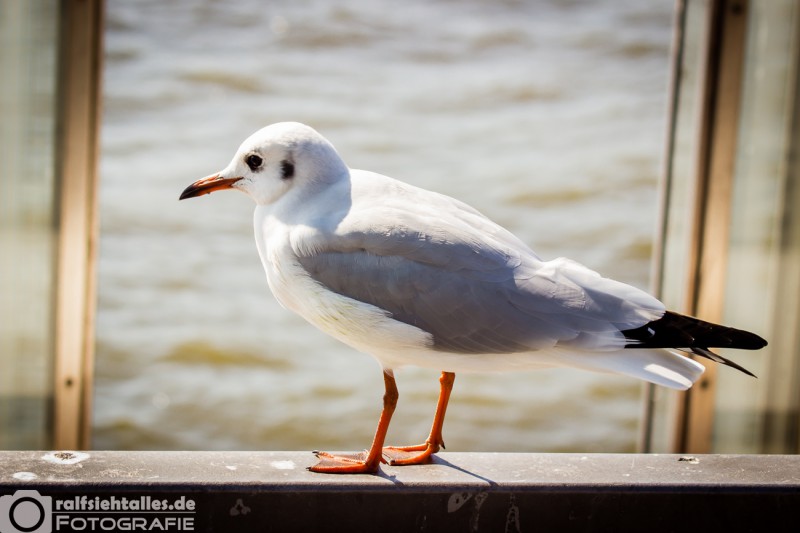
421, 453
365, 462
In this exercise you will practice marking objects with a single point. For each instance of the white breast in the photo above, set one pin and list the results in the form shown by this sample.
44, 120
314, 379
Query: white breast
360, 325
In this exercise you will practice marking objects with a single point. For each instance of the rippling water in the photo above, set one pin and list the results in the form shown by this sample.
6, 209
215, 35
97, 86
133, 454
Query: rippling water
547, 116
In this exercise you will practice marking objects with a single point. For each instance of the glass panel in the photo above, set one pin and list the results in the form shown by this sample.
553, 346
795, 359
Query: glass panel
28, 64
760, 416
547, 116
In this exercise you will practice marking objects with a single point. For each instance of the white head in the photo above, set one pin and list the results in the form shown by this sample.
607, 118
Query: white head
273, 161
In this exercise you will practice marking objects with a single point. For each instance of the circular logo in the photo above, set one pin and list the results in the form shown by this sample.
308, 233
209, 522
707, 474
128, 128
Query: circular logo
26, 514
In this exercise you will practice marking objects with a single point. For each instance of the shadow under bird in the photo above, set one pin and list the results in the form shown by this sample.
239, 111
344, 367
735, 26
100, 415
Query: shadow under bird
414, 277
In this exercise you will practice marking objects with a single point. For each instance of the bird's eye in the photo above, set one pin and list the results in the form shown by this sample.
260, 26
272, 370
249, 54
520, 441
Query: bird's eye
287, 169
253, 161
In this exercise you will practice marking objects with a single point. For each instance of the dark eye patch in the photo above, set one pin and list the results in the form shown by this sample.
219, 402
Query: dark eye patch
254, 161
287, 169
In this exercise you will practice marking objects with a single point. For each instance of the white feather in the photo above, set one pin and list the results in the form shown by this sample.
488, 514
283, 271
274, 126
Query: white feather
326, 211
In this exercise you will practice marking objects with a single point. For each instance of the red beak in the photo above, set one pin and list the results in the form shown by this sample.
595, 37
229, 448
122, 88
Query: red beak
208, 185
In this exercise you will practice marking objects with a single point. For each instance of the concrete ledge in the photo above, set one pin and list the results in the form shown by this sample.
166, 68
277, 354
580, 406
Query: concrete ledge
272, 491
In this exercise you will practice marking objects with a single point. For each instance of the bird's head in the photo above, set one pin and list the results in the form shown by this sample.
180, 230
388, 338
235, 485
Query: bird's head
274, 161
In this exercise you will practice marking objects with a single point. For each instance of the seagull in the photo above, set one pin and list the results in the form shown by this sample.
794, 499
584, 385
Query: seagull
414, 277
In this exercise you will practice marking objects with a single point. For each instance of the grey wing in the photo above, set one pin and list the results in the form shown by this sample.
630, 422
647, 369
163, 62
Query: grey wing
462, 314
508, 308
437, 264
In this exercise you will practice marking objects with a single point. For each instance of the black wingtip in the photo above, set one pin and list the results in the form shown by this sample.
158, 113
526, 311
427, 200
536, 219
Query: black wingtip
708, 354
674, 330
742, 340
690, 334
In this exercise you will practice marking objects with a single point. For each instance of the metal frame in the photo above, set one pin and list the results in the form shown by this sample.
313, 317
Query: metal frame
79, 91
719, 96
715, 170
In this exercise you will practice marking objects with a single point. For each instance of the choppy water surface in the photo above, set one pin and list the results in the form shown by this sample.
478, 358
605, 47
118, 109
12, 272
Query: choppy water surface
547, 116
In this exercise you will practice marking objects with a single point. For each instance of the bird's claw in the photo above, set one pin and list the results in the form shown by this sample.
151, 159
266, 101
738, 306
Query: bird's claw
352, 463
409, 455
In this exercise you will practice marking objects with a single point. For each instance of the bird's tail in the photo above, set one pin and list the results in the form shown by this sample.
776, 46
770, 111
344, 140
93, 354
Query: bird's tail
662, 367
690, 334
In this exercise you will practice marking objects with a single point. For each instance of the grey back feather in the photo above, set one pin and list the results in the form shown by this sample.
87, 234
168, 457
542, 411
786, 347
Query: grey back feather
437, 264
